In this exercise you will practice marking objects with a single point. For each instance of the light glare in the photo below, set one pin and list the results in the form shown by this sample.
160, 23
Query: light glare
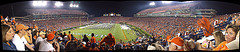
152, 3
74, 5
39, 3
166, 2
58, 4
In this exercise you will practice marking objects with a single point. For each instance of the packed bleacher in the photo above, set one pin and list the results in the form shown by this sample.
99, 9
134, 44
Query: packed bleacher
54, 11
167, 8
56, 24
167, 34
156, 26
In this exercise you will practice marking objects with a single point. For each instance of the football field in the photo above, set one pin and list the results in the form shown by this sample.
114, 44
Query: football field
100, 31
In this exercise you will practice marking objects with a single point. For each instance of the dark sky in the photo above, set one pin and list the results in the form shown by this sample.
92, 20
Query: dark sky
126, 8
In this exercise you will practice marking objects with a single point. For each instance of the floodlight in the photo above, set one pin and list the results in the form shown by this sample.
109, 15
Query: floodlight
35, 3
188, 1
111, 14
71, 5
39, 3
166, 2
152, 3
44, 3
76, 6
58, 4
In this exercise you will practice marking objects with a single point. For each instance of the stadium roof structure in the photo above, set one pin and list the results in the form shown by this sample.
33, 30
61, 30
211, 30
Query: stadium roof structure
55, 11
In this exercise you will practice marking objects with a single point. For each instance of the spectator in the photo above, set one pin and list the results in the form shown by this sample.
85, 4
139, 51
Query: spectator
84, 46
237, 21
65, 39
231, 32
28, 37
121, 44
2, 19
71, 45
189, 45
62, 47
158, 46
151, 47
235, 43
118, 46
64, 34
93, 41
69, 32
218, 36
176, 44
6, 19
46, 45
18, 39
85, 39
28, 40
39, 40
13, 21
35, 34
36, 27
137, 46
109, 40
7, 36
152, 40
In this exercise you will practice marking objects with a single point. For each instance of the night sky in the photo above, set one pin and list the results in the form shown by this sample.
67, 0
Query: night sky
126, 8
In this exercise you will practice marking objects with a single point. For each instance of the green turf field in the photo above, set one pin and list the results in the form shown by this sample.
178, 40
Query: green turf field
116, 30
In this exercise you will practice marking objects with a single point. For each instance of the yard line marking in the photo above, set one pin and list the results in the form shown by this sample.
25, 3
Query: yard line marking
124, 35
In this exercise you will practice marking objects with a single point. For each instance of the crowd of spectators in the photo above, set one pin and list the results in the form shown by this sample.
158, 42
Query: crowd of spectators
167, 33
156, 26
166, 8
55, 11
186, 28
56, 24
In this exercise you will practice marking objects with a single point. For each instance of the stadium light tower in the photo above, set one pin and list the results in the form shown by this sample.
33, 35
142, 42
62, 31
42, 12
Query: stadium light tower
73, 5
39, 3
167, 2
152, 3
58, 4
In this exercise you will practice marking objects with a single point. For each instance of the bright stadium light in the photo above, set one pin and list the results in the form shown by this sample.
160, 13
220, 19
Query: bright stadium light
39, 3
167, 2
44, 3
73, 5
58, 4
111, 14
35, 3
187, 2
152, 3
76, 6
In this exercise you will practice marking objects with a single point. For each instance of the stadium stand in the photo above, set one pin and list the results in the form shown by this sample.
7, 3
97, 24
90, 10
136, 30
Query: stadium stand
172, 33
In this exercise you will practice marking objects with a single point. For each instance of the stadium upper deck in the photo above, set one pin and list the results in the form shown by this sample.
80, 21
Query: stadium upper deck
45, 14
55, 11
180, 10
